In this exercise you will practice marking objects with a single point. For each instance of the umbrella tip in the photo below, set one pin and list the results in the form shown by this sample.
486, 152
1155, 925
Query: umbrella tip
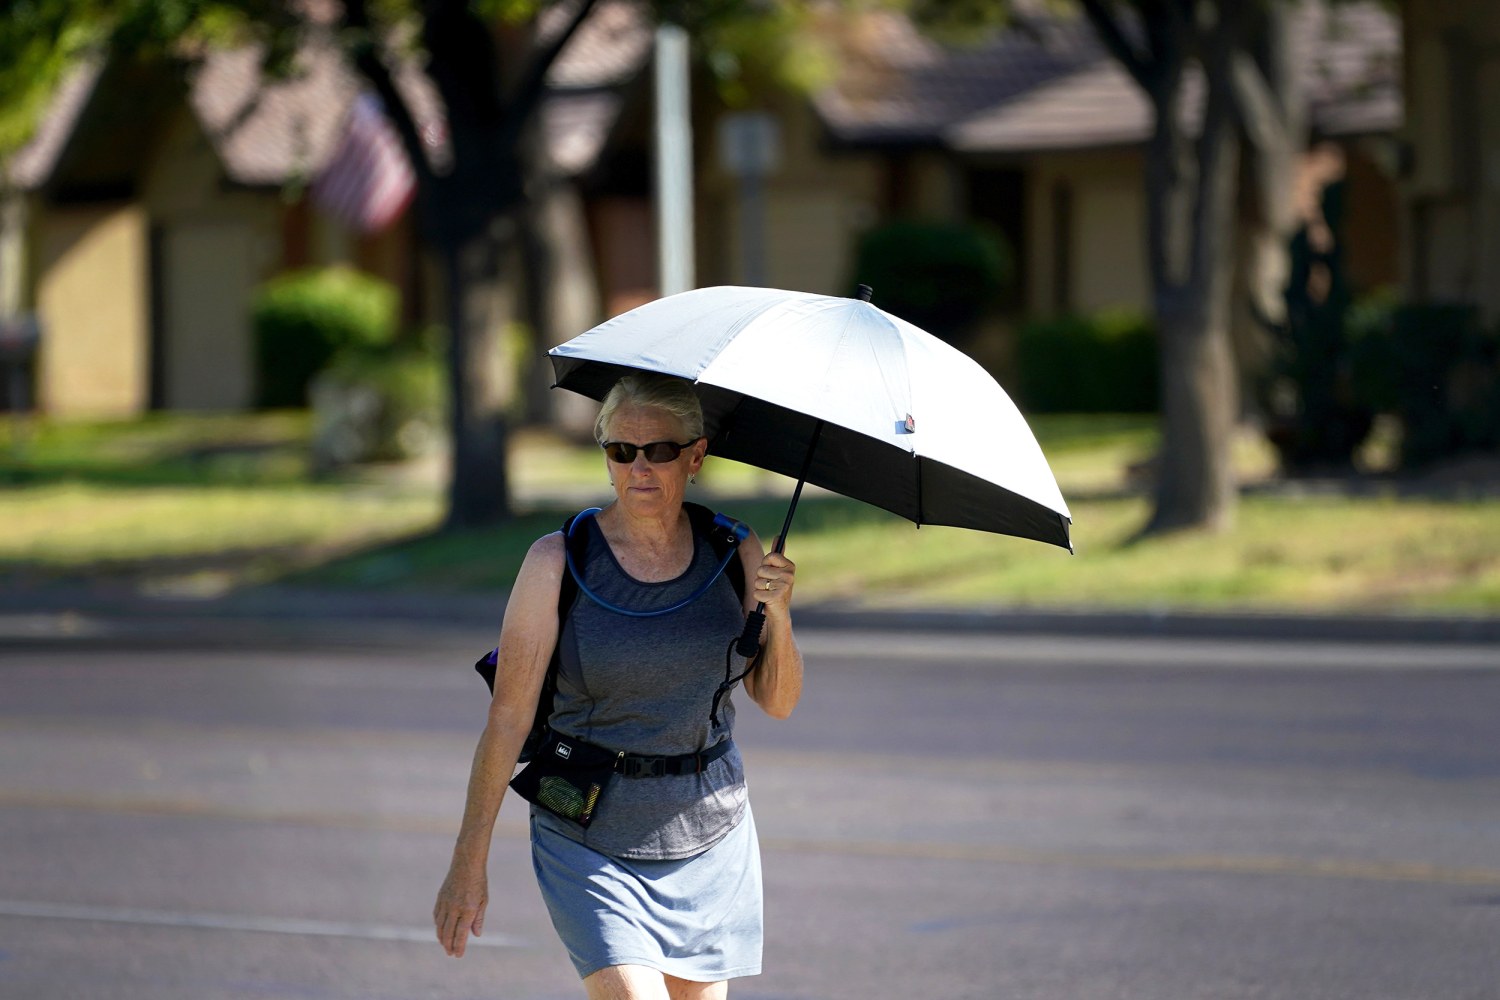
863, 292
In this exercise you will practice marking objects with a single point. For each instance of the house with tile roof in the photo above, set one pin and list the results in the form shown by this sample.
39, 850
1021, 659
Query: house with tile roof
1039, 132
146, 209
152, 216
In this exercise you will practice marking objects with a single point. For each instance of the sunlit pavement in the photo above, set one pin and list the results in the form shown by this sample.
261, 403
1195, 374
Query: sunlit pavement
243, 808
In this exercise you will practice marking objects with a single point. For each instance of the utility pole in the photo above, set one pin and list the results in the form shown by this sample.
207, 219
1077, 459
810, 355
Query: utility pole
674, 162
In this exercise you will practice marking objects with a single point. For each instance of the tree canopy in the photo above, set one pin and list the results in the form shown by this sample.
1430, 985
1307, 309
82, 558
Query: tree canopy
488, 60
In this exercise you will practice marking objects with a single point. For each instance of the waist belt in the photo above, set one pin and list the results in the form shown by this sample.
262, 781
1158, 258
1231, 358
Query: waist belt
630, 765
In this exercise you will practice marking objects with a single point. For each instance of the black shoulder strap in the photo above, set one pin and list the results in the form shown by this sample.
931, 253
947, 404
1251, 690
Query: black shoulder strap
577, 544
721, 540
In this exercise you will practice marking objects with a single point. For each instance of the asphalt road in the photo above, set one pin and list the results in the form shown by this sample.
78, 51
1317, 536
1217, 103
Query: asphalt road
265, 812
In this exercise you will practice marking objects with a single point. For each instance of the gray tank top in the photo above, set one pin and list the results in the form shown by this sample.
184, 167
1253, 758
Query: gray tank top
645, 685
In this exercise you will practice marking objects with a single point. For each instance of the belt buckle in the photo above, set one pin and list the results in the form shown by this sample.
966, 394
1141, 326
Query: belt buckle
645, 767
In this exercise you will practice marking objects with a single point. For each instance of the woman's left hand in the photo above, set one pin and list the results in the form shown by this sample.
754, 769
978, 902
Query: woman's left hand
774, 579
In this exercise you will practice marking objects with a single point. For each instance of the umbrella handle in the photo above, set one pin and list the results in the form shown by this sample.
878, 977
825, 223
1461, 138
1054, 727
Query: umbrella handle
748, 644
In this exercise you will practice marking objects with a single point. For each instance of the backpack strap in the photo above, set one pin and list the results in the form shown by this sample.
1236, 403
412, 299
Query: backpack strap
722, 536
577, 544
707, 524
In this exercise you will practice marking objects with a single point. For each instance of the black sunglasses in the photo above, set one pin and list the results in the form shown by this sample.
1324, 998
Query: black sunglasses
657, 452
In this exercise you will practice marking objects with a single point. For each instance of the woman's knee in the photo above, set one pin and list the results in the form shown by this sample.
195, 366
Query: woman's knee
627, 982
686, 989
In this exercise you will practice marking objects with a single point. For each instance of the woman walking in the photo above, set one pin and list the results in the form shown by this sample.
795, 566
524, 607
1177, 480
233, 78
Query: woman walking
652, 874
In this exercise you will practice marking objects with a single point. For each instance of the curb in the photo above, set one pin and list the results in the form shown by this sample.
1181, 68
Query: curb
356, 609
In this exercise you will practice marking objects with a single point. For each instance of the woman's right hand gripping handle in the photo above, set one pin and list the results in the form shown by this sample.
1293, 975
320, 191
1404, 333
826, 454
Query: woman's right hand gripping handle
527, 638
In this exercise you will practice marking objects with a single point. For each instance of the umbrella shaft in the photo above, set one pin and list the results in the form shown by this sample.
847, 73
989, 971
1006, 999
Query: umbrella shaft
786, 525
748, 644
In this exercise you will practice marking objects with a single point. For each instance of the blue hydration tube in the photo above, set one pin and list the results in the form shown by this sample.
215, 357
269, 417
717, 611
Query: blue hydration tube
736, 532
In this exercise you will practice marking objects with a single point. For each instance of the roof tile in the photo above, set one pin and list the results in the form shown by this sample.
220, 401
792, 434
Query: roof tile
1047, 83
268, 132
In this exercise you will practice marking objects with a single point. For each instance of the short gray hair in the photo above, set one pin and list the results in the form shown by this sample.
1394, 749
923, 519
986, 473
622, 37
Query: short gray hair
662, 392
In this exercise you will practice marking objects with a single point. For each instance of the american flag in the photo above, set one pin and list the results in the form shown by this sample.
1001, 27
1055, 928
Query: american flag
368, 181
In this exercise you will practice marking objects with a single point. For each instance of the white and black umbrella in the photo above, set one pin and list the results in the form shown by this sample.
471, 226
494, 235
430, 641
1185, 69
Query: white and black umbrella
836, 392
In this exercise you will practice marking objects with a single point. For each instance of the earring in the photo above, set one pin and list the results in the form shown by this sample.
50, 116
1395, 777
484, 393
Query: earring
693, 477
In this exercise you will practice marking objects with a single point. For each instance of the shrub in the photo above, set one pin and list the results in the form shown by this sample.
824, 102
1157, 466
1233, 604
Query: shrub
1446, 369
1105, 363
302, 319
1370, 321
377, 406
1435, 368
943, 277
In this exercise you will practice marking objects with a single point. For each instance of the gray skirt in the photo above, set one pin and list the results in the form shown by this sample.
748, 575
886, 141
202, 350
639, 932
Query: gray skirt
697, 919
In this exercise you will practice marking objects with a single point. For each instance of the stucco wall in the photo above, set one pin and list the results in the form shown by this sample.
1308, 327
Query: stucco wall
815, 205
1086, 229
215, 245
1451, 191
1109, 244
111, 325
92, 296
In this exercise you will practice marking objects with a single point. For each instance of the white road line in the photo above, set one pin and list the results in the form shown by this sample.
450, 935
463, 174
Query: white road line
236, 922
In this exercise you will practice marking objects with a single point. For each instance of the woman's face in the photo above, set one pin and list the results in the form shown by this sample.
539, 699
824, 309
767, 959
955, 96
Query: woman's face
642, 487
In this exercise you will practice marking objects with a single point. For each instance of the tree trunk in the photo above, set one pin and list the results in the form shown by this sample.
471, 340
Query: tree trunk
1276, 126
1195, 485
1191, 210
1258, 302
478, 489
490, 76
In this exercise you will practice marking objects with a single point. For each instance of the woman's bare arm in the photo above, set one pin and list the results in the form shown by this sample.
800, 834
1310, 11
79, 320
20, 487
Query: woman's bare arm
527, 638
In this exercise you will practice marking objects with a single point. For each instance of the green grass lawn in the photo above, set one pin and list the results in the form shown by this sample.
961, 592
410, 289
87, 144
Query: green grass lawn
204, 505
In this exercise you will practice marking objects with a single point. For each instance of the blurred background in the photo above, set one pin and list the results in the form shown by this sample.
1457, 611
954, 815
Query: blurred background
275, 297
277, 282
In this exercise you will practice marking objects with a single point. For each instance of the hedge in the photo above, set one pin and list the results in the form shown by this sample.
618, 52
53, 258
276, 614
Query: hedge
940, 276
1102, 363
303, 318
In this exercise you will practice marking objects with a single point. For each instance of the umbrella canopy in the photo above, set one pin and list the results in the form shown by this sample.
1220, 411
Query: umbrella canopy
841, 394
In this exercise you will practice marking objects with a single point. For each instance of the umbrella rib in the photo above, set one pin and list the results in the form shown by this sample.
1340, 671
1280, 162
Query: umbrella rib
903, 376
